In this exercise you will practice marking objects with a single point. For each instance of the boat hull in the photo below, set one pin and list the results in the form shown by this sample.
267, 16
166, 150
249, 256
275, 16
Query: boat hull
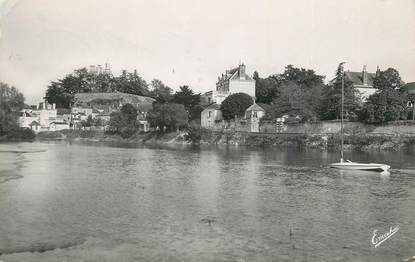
360, 166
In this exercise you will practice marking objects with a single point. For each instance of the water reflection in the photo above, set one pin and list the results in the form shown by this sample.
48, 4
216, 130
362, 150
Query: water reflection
262, 204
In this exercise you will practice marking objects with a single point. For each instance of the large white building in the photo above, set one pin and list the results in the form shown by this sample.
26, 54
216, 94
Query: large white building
232, 81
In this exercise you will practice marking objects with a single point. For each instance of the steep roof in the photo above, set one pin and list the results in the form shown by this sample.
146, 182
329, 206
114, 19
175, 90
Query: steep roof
357, 78
409, 87
235, 73
255, 107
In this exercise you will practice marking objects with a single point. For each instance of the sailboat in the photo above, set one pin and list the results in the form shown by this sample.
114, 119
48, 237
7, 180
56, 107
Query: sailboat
349, 165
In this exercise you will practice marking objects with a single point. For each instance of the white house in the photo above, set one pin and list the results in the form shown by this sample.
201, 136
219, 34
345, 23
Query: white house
38, 119
232, 81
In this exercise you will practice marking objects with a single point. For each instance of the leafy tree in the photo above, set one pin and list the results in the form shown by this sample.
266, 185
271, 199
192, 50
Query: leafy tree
267, 88
170, 115
387, 105
81, 80
186, 97
131, 83
11, 102
124, 121
295, 101
388, 79
235, 105
161, 92
330, 108
195, 112
303, 77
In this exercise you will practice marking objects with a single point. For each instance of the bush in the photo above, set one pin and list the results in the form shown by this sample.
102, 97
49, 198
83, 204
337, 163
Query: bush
194, 133
235, 105
21, 134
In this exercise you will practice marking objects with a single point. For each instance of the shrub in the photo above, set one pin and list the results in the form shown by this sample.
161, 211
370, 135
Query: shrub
21, 134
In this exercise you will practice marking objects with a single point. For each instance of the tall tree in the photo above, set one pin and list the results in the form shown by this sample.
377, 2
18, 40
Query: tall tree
387, 105
303, 77
186, 97
11, 102
124, 121
132, 83
330, 108
161, 92
169, 115
388, 79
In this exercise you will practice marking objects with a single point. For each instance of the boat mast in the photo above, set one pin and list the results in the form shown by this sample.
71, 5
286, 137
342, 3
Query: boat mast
342, 111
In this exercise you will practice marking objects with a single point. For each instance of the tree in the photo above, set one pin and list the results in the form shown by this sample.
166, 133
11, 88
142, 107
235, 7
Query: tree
161, 92
330, 108
11, 102
124, 121
386, 105
62, 91
131, 83
235, 105
295, 101
269, 88
303, 77
266, 88
195, 112
388, 79
186, 97
169, 115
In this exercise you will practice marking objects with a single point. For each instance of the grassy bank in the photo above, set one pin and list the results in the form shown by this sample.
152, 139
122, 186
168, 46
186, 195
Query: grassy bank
355, 141
17, 135
359, 141
100, 136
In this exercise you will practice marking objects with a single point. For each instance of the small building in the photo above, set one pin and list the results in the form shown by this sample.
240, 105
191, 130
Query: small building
211, 115
252, 115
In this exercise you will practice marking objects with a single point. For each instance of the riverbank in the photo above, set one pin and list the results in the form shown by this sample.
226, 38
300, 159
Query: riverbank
355, 141
361, 141
100, 136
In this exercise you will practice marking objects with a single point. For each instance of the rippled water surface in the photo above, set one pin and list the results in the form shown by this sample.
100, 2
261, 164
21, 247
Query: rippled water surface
77, 202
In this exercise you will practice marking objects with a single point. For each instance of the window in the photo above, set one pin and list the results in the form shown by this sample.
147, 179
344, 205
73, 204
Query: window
255, 114
209, 114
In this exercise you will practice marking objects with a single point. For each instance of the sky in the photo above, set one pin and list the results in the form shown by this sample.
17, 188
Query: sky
191, 42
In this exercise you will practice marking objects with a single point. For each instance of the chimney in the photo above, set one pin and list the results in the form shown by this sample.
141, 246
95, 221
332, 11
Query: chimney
53, 106
241, 71
364, 76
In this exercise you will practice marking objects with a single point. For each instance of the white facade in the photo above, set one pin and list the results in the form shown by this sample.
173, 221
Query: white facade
38, 119
242, 86
232, 81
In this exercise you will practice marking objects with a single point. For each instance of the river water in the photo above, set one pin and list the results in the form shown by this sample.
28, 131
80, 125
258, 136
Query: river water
113, 202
